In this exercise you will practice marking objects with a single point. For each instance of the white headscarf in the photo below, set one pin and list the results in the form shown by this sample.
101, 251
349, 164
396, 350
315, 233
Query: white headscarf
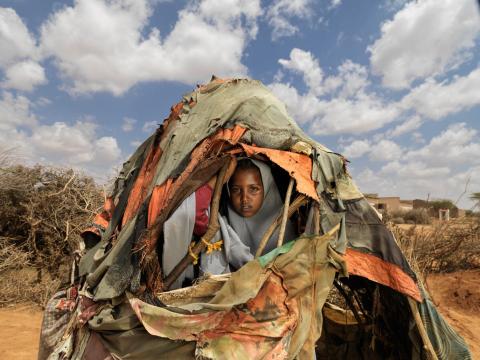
251, 229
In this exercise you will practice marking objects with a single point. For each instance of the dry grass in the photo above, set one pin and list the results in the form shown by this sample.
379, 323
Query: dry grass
442, 247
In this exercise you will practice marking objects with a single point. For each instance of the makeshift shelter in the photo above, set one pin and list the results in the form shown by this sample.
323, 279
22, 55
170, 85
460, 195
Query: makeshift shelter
273, 307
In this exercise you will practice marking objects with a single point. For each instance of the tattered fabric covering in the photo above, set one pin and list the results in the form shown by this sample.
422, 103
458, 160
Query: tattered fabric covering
269, 309
181, 156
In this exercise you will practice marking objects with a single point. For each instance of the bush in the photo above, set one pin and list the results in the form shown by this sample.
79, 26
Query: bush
417, 216
42, 214
443, 247
414, 216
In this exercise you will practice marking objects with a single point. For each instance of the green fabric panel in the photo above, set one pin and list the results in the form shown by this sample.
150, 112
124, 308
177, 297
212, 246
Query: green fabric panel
123, 335
91, 260
269, 257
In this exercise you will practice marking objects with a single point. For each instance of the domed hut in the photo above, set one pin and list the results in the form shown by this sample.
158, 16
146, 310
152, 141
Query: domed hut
342, 289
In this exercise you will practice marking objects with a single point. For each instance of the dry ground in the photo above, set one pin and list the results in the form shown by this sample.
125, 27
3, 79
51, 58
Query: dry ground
457, 296
19, 332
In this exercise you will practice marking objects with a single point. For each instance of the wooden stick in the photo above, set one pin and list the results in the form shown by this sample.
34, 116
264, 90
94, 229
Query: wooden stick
212, 229
316, 219
421, 329
299, 201
283, 225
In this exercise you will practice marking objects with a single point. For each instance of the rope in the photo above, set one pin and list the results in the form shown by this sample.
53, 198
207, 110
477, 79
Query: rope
192, 254
212, 246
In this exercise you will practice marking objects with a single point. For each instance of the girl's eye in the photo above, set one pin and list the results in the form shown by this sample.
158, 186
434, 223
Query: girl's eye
254, 190
234, 190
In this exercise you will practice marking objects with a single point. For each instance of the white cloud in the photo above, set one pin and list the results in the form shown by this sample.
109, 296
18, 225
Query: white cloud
304, 63
15, 40
19, 54
412, 123
99, 45
424, 39
60, 144
279, 15
150, 126
439, 168
356, 149
128, 124
15, 112
24, 76
336, 104
380, 150
437, 100
385, 150
335, 3
458, 144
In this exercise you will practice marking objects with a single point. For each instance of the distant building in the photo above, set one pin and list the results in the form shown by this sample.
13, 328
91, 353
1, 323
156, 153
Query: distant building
388, 203
393, 203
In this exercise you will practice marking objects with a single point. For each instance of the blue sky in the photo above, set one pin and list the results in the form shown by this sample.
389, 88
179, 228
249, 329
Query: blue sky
392, 85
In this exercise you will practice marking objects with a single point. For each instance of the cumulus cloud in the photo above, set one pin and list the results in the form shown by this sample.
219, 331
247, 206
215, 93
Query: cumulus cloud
385, 150
425, 38
128, 124
60, 144
440, 168
280, 13
381, 150
436, 100
76, 144
335, 3
15, 111
458, 144
149, 126
24, 76
101, 45
19, 54
356, 149
16, 41
411, 124
304, 63
335, 104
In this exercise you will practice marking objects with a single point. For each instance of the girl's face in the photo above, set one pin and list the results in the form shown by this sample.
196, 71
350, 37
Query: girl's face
246, 192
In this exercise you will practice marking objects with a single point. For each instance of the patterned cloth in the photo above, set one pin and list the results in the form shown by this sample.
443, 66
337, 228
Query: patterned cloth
56, 316
446, 342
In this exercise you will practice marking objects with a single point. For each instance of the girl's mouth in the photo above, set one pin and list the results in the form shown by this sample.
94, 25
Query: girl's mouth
246, 208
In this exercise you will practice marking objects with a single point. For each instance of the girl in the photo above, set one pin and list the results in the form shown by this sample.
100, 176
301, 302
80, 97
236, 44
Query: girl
254, 203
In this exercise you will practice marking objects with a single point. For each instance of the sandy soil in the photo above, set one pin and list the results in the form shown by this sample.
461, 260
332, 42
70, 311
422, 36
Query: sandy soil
19, 332
457, 296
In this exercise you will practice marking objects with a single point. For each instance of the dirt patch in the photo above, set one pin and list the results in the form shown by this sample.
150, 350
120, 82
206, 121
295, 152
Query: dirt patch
20, 332
457, 297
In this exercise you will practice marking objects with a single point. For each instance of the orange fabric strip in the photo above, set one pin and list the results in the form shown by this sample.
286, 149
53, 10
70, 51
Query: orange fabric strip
102, 219
163, 193
382, 272
299, 166
142, 183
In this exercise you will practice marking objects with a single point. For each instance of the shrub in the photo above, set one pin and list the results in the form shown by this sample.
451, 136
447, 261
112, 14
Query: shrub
417, 216
414, 216
443, 247
42, 214
398, 220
